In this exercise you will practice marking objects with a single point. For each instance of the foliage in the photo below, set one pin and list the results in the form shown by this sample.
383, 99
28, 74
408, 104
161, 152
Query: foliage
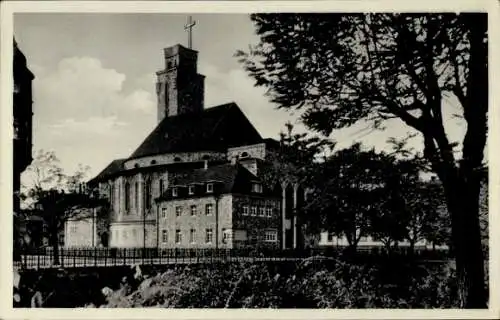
295, 157
309, 284
342, 69
56, 197
346, 194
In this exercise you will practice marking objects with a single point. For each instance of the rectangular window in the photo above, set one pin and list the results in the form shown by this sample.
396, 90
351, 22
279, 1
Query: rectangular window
270, 236
330, 236
210, 187
192, 236
174, 192
226, 235
178, 211
253, 211
191, 189
164, 236
163, 212
124, 235
134, 234
257, 187
73, 229
245, 210
269, 211
262, 211
178, 236
209, 235
209, 208
193, 210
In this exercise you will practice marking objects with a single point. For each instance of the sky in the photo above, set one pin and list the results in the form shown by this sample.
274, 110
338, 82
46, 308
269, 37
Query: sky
94, 91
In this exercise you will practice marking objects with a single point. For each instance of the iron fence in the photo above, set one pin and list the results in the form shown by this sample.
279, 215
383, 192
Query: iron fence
107, 257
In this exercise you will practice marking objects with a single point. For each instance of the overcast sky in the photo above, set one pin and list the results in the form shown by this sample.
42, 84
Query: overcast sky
94, 98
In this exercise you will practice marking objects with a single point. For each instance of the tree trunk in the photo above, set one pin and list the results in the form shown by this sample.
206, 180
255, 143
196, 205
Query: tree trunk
463, 205
412, 245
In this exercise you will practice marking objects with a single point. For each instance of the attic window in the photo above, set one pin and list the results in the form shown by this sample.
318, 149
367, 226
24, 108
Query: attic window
210, 187
191, 190
244, 155
257, 187
136, 165
177, 159
174, 192
153, 161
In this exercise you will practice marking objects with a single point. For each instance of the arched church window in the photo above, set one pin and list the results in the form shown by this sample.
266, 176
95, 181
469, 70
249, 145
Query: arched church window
161, 186
147, 194
127, 196
111, 193
137, 194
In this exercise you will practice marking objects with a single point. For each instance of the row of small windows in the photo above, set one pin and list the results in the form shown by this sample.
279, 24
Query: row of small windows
257, 211
209, 210
176, 159
191, 189
178, 236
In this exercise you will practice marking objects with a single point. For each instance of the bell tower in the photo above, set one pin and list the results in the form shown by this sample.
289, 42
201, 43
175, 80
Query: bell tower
179, 87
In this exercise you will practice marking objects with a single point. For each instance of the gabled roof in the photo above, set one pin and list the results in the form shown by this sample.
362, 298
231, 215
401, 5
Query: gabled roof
216, 128
227, 178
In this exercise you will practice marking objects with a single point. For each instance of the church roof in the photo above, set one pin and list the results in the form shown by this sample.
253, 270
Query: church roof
112, 168
216, 128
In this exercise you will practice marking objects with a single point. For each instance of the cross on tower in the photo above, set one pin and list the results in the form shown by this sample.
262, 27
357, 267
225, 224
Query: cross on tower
189, 27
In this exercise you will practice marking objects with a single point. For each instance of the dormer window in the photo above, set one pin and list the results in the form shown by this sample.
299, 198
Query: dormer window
257, 187
191, 190
210, 187
174, 192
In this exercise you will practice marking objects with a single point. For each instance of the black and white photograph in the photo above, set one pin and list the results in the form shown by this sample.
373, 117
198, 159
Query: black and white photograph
255, 159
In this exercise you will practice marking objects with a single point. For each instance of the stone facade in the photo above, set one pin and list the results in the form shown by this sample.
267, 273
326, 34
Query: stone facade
179, 88
192, 219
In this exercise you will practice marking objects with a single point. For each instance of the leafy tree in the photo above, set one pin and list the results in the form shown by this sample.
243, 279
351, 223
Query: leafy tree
342, 69
295, 157
346, 193
56, 197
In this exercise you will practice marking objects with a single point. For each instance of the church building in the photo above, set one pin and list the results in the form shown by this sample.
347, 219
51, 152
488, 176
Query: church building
194, 181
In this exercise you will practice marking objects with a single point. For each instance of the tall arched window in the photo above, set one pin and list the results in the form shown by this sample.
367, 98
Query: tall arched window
112, 194
127, 196
147, 194
136, 195
161, 186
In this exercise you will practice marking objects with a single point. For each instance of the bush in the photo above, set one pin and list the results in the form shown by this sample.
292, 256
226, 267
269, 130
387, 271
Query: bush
309, 284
